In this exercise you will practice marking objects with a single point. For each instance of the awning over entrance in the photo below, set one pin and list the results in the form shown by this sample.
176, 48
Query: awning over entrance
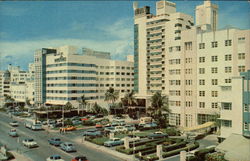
200, 128
235, 147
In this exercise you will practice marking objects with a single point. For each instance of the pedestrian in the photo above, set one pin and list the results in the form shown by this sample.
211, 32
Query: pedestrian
60, 130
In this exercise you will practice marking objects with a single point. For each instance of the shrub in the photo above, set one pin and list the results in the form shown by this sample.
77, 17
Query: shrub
174, 146
200, 136
172, 132
88, 123
10, 156
201, 153
217, 156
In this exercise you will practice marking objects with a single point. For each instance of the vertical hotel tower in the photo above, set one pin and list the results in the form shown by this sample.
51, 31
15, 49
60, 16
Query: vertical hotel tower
63, 75
185, 61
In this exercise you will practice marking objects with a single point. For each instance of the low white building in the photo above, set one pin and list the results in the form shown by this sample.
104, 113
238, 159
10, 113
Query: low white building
64, 75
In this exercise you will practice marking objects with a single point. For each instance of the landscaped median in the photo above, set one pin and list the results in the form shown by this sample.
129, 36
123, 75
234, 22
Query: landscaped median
152, 157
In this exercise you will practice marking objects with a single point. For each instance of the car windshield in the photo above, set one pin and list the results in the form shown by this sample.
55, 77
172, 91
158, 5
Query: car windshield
30, 140
70, 144
57, 139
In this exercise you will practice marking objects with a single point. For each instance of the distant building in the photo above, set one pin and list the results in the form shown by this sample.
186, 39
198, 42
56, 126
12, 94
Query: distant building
62, 75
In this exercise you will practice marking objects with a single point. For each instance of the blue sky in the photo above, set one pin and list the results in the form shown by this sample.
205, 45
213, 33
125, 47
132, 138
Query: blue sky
100, 25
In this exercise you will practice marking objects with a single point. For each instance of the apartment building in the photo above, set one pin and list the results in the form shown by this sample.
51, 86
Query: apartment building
64, 75
187, 62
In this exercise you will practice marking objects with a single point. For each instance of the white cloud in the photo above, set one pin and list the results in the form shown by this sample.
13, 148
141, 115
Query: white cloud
20, 51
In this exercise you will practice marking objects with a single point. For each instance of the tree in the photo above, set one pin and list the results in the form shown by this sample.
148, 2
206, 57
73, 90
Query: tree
68, 106
83, 102
111, 96
159, 109
97, 109
129, 99
27, 101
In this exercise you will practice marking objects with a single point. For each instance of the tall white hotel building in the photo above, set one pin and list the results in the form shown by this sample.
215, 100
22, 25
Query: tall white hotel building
187, 62
63, 75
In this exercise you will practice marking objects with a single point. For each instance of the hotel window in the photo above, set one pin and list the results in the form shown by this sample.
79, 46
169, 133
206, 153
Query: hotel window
228, 69
201, 45
201, 59
188, 93
188, 82
202, 93
188, 45
202, 104
241, 68
226, 106
201, 70
188, 104
228, 42
245, 126
188, 60
214, 105
117, 67
214, 58
214, 70
214, 93
226, 123
214, 44
227, 80
214, 81
246, 108
202, 82
228, 57
178, 48
241, 56
241, 40
178, 103
170, 49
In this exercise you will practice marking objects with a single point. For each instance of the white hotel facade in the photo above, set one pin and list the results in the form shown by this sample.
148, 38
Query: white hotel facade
187, 62
64, 75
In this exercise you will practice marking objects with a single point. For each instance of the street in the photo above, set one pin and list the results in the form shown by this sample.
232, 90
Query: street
45, 150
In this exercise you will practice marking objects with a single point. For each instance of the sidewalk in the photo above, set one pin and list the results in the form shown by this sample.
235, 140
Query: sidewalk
19, 157
117, 154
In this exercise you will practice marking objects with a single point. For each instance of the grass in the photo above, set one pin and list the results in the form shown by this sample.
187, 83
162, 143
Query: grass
99, 141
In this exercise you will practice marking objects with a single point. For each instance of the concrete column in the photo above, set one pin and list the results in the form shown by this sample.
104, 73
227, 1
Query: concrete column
111, 135
126, 143
183, 155
159, 151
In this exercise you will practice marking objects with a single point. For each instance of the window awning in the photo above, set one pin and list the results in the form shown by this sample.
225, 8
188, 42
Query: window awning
200, 127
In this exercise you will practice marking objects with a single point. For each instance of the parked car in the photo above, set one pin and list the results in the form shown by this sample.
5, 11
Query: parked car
77, 122
109, 129
98, 125
68, 128
113, 142
55, 141
92, 132
30, 143
13, 133
150, 125
130, 127
54, 158
119, 129
80, 158
14, 123
68, 147
157, 134
37, 127
132, 138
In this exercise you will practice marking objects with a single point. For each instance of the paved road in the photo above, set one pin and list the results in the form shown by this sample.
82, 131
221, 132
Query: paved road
44, 150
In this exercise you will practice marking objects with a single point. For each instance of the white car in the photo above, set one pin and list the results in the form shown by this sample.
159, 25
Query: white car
14, 123
132, 138
54, 158
30, 143
119, 129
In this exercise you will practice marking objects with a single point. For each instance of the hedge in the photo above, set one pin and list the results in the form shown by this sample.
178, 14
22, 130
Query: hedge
174, 146
217, 156
144, 142
200, 155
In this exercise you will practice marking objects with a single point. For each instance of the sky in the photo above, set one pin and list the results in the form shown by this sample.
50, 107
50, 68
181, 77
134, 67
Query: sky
100, 25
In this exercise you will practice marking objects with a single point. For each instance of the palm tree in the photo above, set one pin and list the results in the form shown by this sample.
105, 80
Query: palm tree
111, 96
68, 106
97, 109
83, 102
129, 99
159, 108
